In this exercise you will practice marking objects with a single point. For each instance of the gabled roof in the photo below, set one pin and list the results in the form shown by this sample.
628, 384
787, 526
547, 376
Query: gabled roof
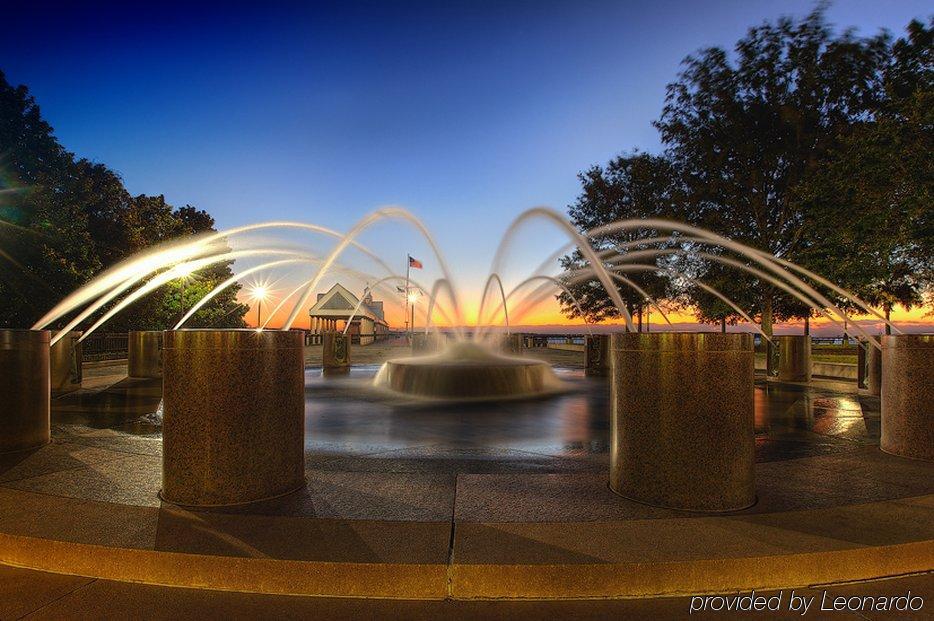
336, 298
338, 302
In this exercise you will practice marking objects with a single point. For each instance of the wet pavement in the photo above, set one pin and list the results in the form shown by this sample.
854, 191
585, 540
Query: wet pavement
346, 419
460, 490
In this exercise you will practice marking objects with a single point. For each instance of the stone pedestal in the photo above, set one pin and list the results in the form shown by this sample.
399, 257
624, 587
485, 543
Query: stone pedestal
335, 353
874, 371
512, 344
234, 416
24, 389
908, 395
869, 368
597, 355
65, 360
426, 343
794, 357
144, 354
682, 431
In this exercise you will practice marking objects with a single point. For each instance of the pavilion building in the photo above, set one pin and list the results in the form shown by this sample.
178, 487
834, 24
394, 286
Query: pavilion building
333, 309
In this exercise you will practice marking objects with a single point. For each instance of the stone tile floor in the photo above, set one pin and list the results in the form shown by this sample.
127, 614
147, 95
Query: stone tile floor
516, 481
543, 460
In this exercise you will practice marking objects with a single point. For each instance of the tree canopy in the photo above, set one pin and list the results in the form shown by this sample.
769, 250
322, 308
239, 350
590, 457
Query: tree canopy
64, 219
810, 145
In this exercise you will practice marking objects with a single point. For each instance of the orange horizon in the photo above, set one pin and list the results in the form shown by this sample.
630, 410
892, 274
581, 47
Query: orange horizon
549, 314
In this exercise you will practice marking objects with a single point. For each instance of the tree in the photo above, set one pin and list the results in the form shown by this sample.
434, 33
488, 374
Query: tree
743, 132
881, 177
63, 220
633, 186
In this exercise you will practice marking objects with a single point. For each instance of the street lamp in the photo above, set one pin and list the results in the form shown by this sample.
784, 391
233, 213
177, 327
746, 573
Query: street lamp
412, 298
259, 293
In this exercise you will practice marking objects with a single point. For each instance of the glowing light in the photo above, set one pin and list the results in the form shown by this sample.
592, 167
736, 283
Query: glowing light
183, 270
259, 293
413, 297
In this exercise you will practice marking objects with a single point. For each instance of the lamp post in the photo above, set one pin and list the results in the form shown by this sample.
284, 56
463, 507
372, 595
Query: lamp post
412, 299
259, 293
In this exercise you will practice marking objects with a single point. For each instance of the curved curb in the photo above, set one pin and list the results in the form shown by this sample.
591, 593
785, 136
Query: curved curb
457, 581
693, 577
226, 573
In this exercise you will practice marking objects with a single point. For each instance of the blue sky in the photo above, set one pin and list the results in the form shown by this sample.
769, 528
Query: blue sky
464, 112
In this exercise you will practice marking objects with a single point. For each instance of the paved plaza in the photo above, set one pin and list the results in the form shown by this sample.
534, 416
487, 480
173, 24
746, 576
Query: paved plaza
510, 499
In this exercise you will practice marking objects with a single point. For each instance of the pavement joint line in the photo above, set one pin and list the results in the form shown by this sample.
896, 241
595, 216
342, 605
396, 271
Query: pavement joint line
58, 599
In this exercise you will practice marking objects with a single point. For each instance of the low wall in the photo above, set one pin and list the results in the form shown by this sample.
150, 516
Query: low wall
840, 370
836, 370
566, 346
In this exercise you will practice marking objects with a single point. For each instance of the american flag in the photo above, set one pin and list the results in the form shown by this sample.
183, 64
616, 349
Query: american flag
413, 262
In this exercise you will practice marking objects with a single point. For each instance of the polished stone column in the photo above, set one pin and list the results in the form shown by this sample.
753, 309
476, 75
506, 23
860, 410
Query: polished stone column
869, 368
512, 344
65, 360
24, 389
335, 353
794, 357
908, 395
234, 416
597, 355
426, 343
144, 353
682, 432
874, 372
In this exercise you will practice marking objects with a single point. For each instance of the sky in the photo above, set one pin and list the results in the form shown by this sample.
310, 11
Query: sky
465, 113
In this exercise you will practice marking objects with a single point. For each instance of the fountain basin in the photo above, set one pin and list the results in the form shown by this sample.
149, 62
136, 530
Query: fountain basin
468, 372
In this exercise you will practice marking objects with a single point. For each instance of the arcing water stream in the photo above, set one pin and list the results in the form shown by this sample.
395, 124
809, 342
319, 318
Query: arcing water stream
114, 290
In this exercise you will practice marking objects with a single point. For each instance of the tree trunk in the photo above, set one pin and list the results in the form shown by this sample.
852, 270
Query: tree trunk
807, 326
888, 313
639, 317
723, 325
846, 338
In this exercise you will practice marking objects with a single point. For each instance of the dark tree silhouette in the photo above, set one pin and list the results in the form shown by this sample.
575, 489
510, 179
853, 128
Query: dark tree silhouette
63, 220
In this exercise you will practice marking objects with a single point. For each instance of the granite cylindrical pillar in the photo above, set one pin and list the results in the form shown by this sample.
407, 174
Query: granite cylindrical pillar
874, 370
512, 344
144, 354
425, 343
597, 354
794, 357
682, 430
908, 395
65, 360
24, 389
234, 416
335, 353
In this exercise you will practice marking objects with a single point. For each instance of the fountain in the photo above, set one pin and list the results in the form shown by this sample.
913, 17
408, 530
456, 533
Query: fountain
468, 371
682, 423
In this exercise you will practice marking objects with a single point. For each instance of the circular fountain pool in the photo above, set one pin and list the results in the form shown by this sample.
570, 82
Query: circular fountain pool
468, 371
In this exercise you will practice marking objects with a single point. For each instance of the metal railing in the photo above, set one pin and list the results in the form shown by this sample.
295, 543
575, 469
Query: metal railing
105, 346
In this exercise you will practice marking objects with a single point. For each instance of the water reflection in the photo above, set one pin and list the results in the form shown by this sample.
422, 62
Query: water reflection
346, 416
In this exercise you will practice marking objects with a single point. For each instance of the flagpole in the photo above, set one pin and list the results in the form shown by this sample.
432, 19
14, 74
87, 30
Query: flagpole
408, 266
